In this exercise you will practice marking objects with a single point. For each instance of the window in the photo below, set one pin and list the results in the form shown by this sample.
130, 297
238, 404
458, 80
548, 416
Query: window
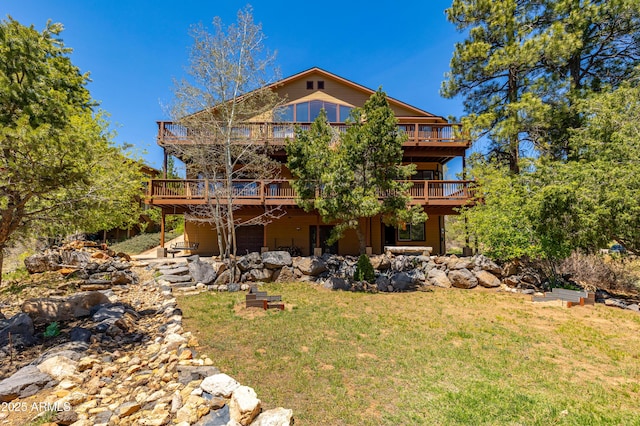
320, 85
306, 112
309, 85
302, 112
423, 175
344, 112
411, 233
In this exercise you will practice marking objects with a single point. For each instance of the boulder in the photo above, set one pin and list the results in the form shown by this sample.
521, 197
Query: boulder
487, 279
486, 264
25, 382
336, 283
46, 310
259, 275
284, 275
380, 262
401, 281
75, 258
310, 265
275, 417
250, 261
58, 367
383, 283
438, 278
276, 259
462, 278
459, 263
219, 385
244, 405
39, 263
200, 271
225, 277
20, 329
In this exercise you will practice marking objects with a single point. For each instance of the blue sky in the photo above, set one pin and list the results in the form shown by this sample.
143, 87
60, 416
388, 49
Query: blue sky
134, 49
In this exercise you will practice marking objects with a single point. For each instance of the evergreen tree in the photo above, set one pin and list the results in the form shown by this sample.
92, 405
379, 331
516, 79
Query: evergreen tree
358, 174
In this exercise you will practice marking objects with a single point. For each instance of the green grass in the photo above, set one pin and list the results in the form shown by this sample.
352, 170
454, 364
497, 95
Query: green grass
442, 357
142, 242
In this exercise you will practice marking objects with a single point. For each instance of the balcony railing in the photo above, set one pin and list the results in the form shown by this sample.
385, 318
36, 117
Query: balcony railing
280, 192
277, 133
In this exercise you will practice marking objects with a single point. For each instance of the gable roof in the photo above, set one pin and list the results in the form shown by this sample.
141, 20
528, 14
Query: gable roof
351, 84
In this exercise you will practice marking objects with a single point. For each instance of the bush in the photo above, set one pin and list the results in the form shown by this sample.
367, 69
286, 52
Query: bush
364, 270
593, 271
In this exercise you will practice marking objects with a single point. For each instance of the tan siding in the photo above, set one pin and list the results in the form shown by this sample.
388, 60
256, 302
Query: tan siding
202, 234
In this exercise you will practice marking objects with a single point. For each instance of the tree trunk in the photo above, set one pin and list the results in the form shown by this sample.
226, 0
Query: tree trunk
361, 240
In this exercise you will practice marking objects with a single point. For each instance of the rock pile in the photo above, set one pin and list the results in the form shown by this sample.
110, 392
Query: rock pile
393, 273
126, 360
91, 266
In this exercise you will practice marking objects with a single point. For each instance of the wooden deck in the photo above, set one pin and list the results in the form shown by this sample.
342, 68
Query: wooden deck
418, 134
279, 192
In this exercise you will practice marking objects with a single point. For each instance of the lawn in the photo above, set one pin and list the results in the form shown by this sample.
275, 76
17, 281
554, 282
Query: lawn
442, 357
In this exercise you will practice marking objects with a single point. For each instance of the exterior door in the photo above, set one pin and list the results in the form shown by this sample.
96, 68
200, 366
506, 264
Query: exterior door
249, 239
325, 231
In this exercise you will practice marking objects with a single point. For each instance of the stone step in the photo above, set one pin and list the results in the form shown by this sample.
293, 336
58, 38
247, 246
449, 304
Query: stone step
176, 278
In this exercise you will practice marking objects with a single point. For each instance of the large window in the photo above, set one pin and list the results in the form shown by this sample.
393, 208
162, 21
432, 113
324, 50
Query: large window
411, 233
306, 112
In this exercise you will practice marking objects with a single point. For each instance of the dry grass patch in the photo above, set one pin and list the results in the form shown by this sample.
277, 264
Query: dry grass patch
441, 357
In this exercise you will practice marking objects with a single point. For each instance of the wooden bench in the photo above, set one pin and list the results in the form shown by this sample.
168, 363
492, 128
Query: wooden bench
408, 250
260, 299
178, 247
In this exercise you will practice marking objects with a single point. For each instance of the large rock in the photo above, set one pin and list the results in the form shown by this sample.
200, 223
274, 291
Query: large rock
250, 261
336, 283
59, 367
46, 310
42, 262
25, 382
462, 278
75, 258
259, 275
438, 278
459, 262
219, 385
276, 259
244, 405
310, 265
201, 272
275, 417
380, 262
284, 275
20, 329
487, 279
383, 283
401, 281
486, 264
225, 277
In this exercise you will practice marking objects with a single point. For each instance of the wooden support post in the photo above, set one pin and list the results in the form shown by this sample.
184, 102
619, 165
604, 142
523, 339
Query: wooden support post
162, 224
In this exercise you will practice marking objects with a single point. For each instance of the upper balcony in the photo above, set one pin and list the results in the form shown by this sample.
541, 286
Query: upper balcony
181, 193
443, 140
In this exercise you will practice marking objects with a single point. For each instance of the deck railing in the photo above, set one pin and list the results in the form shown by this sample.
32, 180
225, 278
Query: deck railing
198, 191
277, 133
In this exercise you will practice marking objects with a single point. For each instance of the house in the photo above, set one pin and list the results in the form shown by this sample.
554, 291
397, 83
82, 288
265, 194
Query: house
432, 142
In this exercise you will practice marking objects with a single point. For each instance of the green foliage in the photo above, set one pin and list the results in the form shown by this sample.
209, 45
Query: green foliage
60, 170
343, 176
52, 330
561, 76
364, 270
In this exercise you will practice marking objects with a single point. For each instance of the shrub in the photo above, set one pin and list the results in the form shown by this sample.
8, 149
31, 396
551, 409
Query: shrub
605, 272
364, 269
